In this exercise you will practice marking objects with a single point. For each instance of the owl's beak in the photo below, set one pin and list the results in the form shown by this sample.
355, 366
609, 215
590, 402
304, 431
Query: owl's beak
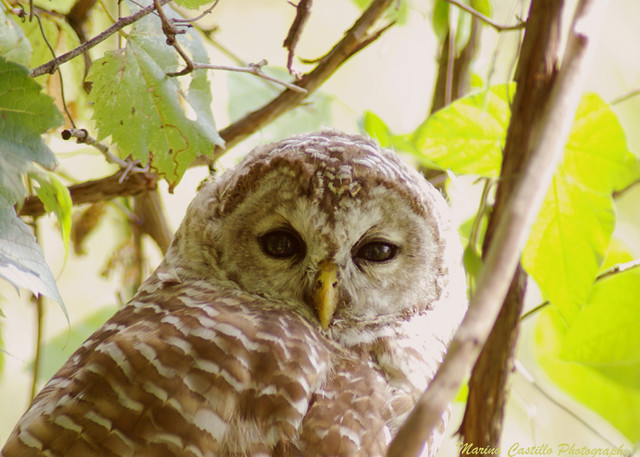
325, 292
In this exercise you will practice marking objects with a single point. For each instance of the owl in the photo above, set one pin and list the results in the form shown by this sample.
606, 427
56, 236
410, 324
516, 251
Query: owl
304, 304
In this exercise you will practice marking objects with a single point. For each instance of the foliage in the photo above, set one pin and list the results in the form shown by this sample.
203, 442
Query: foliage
25, 114
588, 341
132, 93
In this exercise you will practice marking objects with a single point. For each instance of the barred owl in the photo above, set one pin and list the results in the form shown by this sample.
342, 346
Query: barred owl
305, 302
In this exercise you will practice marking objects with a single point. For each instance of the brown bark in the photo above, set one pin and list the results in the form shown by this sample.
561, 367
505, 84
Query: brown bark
97, 190
483, 419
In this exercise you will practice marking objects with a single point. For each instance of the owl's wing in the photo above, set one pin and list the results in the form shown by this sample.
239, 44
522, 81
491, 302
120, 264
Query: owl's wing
198, 372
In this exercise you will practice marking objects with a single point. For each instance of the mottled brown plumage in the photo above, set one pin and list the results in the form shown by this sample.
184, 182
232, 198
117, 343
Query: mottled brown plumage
305, 302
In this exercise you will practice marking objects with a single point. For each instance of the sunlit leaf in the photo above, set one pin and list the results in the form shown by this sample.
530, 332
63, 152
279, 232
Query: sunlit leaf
482, 6
193, 4
616, 401
440, 19
376, 128
607, 330
468, 135
569, 240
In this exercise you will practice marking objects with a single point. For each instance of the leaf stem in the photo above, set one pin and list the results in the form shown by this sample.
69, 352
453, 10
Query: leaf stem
486, 19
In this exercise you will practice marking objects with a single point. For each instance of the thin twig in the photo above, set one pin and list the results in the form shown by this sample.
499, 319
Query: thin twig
253, 68
511, 235
529, 378
53, 64
53, 54
614, 270
198, 17
487, 20
625, 97
619, 193
82, 136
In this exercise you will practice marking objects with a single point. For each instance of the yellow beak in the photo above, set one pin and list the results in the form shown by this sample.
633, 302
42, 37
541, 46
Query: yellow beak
325, 292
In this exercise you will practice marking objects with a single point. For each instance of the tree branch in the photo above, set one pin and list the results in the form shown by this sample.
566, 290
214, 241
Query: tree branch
97, 190
291, 41
535, 74
53, 64
512, 232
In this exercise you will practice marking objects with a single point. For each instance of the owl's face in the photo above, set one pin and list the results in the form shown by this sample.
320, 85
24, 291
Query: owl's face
329, 225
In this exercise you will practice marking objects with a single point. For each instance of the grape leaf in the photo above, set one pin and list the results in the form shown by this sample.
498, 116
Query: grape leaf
21, 260
14, 45
143, 109
570, 237
25, 114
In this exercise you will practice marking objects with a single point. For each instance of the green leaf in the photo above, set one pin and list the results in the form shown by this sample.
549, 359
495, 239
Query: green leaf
21, 260
617, 402
192, 4
468, 135
463, 28
143, 109
56, 199
607, 330
25, 114
568, 241
57, 351
482, 6
14, 45
440, 19
376, 128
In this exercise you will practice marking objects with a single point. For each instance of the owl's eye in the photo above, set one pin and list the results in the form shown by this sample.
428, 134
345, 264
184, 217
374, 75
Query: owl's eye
376, 251
282, 244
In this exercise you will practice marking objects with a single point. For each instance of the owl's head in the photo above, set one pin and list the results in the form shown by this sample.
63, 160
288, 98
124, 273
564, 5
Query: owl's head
329, 224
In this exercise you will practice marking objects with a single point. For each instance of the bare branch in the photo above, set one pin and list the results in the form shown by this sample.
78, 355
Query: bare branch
291, 41
485, 19
511, 236
52, 65
98, 190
